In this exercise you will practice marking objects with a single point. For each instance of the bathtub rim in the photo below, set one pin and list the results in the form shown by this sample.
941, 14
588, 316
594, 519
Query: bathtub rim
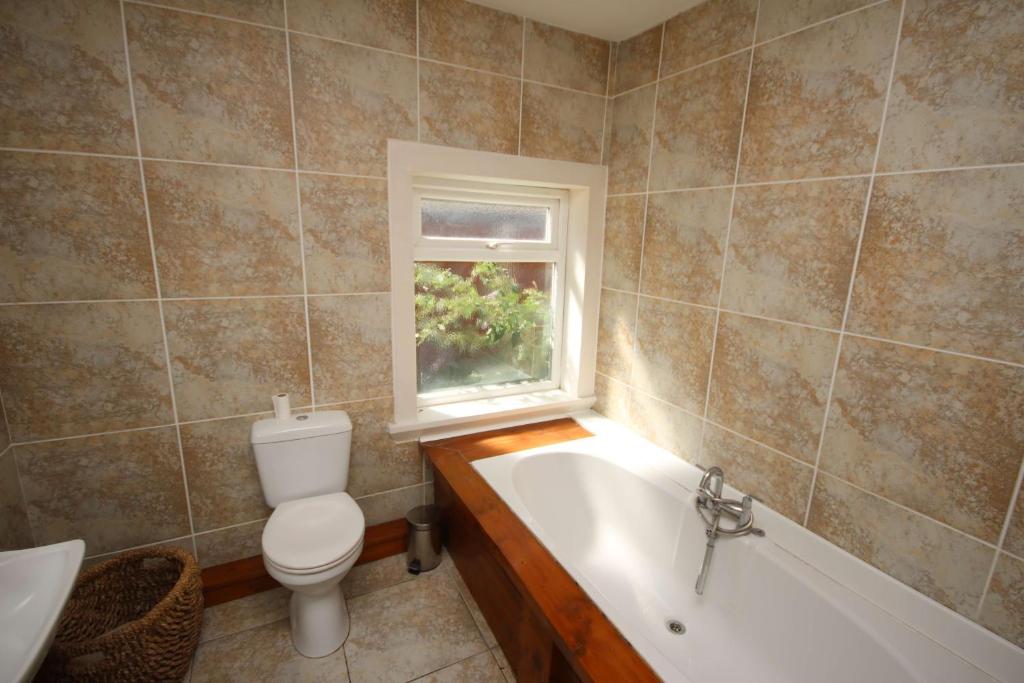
968, 640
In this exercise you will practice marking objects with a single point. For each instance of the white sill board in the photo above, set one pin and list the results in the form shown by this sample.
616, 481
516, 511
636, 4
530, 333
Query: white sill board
488, 413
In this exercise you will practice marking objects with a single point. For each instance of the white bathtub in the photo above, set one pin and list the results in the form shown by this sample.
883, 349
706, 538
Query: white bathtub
617, 512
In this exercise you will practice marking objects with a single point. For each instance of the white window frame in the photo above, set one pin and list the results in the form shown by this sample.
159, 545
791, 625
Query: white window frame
575, 194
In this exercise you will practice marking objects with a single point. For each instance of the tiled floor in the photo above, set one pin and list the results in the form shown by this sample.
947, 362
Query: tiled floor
404, 628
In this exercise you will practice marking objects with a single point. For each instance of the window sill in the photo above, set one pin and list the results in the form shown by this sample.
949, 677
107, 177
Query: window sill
470, 416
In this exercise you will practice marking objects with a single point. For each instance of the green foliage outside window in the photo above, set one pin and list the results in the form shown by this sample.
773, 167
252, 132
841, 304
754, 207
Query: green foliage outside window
479, 329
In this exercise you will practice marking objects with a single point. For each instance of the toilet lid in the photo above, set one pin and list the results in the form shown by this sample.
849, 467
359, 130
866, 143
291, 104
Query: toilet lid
313, 532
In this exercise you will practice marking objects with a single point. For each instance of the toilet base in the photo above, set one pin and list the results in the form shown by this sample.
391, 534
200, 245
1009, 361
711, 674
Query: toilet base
319, 621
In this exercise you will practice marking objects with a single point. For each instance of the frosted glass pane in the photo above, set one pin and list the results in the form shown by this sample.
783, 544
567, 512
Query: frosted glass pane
477, 220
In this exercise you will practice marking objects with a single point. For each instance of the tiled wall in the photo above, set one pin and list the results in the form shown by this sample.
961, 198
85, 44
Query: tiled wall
814, 273
193, 216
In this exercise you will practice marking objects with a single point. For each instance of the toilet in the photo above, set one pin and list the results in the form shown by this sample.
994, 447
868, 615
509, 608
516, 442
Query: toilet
315, 533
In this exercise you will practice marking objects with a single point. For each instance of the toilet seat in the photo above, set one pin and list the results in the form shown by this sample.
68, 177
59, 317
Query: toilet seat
312, 535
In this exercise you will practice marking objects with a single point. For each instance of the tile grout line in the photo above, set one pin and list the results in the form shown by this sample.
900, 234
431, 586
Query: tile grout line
612, 50
156, 267
232, 297
728, 230
643, 230
309, 171
419, 124
894, 56
522, 86
1004, 531
298, 206
9, 452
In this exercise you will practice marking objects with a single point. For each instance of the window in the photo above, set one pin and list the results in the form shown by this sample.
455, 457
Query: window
488, 266
488, 282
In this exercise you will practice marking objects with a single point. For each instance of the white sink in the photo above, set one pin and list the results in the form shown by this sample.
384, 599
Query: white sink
34, 587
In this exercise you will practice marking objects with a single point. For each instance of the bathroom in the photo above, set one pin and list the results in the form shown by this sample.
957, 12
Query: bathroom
275, 273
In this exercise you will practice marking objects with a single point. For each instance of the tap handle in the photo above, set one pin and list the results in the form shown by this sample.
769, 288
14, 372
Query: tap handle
746, 513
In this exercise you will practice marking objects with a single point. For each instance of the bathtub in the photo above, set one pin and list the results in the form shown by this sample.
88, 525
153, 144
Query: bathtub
618, 513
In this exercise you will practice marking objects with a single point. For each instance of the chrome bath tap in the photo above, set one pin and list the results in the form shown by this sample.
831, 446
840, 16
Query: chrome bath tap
711, 506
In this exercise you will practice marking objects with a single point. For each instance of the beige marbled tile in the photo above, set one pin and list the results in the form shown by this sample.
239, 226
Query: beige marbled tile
63, 82
269, 12
230, 544
113, 491
778, 17
15, 532
265, 653
468, 34
559, 124
224, 231
229, 356
83, 368
942, 262
481, 668
223, 482
1003, 609
246, 613
637, 59
467, 596
935, 432
378, 463
208, 89
684, 244
1014, 541
673, 352
623, 241
566, 58
182, 543
708, 31
464, 108
815, 102
409, 630
791, 250
351, 342
697, 130
942, 563
374, 576
615, 334
345, 234
770, 382
606, 135
391, 505
612, 398
629, 148
387, 24
956, 94
665, 425
72, 228
349, 101
781, 483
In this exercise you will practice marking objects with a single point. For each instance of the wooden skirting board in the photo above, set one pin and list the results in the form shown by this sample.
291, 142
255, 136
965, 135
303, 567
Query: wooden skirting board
233, 580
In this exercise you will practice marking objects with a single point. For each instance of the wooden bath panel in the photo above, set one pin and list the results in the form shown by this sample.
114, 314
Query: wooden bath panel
548, 627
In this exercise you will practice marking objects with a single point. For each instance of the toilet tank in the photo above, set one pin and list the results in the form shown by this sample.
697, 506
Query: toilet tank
302, 455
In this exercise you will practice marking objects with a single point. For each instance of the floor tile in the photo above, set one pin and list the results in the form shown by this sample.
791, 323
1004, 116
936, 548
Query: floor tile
409, 630
245, 613
481, 668
263, 654
377, 575
474, 609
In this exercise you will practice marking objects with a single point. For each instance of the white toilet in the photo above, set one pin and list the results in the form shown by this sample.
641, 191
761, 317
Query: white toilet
315, 533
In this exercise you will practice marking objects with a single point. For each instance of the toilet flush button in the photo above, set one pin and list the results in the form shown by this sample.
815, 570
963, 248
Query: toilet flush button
302, 417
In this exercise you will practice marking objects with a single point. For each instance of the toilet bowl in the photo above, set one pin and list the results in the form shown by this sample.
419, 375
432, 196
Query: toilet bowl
315, 534
309, 545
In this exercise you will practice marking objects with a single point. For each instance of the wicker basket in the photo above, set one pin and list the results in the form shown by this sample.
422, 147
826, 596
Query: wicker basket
133, 618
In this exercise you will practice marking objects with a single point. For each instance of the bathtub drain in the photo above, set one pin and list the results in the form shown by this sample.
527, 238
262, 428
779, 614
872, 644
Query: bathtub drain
675, 626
